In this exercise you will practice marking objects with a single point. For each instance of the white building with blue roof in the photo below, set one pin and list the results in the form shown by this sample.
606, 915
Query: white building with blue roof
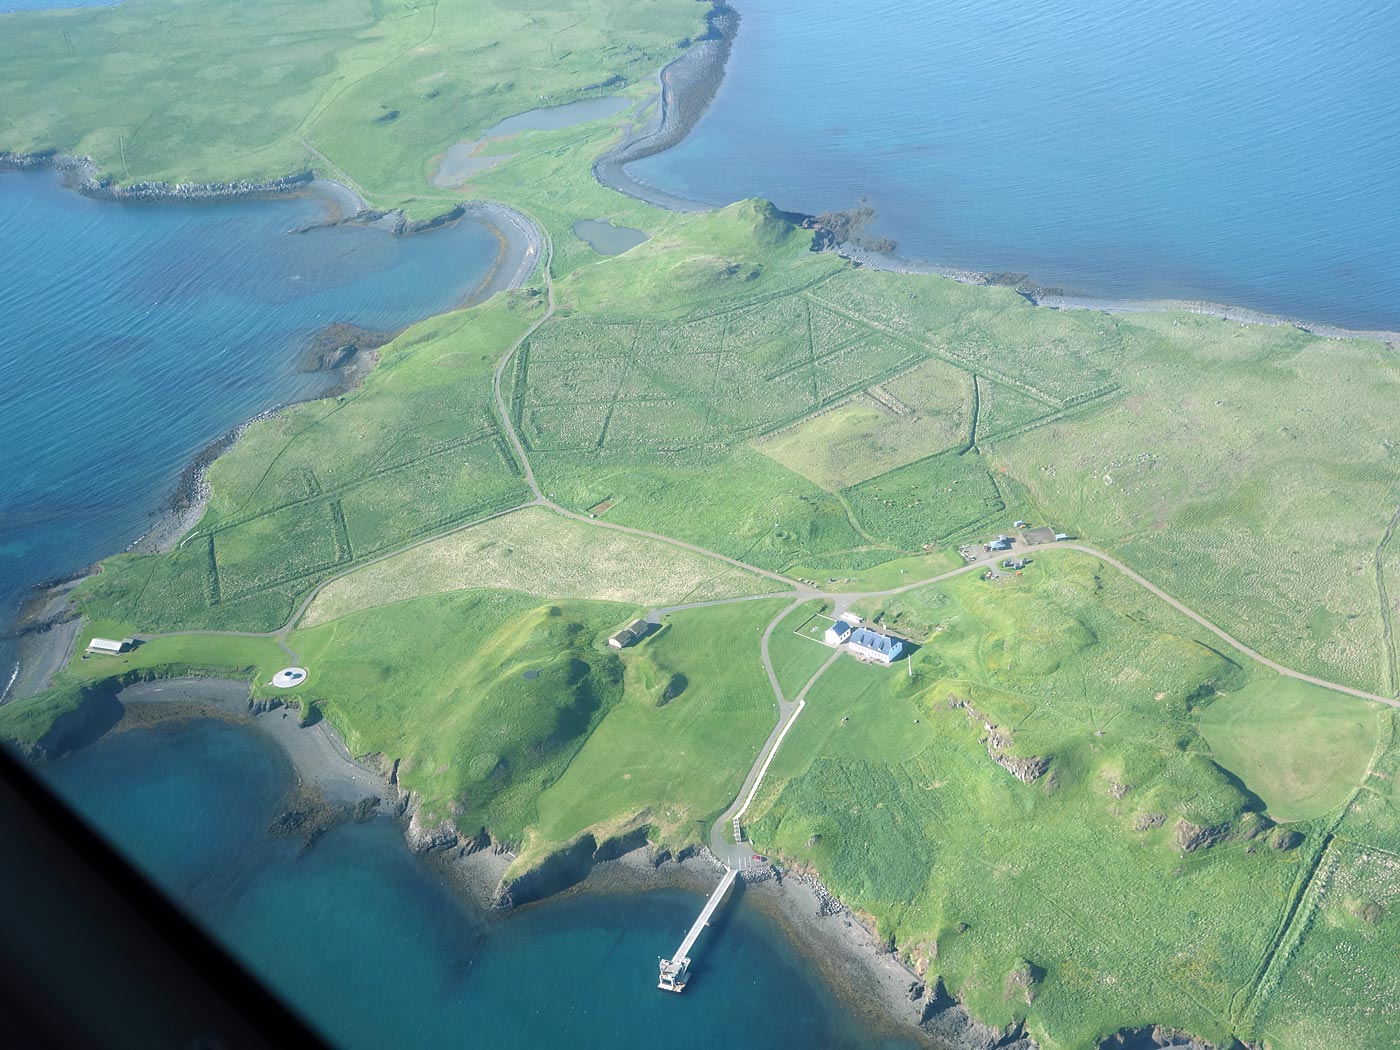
875, 646
838, 632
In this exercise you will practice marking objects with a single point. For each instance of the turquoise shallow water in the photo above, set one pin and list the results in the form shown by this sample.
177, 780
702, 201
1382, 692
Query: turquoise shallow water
133, 335
375, 950
1243, 153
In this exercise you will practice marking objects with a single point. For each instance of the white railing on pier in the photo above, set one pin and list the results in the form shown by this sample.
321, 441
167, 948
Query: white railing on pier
675, 970
683, 952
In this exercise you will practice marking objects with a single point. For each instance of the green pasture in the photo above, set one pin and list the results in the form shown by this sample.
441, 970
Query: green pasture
320, 486
1337, 983
888, 790
728, 499
796, 647
1222, 473
438, 684
377, 89
1302, 749
936, 501
674, 750
875, 432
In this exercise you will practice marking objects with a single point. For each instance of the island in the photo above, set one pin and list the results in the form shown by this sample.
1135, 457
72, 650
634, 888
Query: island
1052, 646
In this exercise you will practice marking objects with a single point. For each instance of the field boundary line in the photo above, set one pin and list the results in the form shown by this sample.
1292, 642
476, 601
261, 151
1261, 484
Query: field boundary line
1387, 628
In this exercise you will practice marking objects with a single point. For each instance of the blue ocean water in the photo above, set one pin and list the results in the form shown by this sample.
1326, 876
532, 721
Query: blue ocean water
374, 949
7, 6
1242, 153
133, 335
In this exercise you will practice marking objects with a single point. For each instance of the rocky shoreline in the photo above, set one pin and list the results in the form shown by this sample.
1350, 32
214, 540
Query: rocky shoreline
330, 787
82, 175
1059, 299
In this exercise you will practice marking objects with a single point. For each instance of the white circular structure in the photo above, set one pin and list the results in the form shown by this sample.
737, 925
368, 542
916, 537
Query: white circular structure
289, 677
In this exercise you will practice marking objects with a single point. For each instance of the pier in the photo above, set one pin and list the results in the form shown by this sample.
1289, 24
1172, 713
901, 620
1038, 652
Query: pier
676, 969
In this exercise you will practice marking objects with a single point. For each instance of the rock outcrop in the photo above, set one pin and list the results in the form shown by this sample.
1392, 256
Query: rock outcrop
82, 174
997, 740
943, 1017
1191, 837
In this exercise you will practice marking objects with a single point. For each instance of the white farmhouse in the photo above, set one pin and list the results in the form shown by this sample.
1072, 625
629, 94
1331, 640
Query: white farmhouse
837, 633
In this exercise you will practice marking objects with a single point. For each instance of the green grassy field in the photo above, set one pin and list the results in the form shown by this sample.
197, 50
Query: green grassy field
887, 788
1223, 475
323, 485
438, 684
379, 89
1301, 749
673, 753
723, 385
796, 648
926, 409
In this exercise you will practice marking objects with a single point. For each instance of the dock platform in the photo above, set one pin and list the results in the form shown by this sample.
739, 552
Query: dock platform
676, 970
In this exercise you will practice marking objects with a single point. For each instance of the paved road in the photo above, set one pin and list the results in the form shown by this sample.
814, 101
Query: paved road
722, 842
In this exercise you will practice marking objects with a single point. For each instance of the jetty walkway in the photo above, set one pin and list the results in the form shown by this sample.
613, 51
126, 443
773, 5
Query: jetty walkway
676, 969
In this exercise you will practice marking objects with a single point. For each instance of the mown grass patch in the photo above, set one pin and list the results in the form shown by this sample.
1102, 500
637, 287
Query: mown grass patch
539, 552
912, 416
1302, 749
232, 656
796, 647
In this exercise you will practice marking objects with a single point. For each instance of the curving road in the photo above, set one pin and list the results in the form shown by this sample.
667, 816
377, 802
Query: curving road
721, 835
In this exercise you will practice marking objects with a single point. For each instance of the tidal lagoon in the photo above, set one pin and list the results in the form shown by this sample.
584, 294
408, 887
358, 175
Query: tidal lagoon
135, 335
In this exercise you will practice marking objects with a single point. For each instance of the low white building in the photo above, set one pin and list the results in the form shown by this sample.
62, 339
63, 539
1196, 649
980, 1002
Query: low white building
110, 646
837, 633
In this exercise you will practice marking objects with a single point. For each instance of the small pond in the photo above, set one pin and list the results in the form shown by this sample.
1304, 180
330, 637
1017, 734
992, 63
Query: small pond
553, 118
605, 238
